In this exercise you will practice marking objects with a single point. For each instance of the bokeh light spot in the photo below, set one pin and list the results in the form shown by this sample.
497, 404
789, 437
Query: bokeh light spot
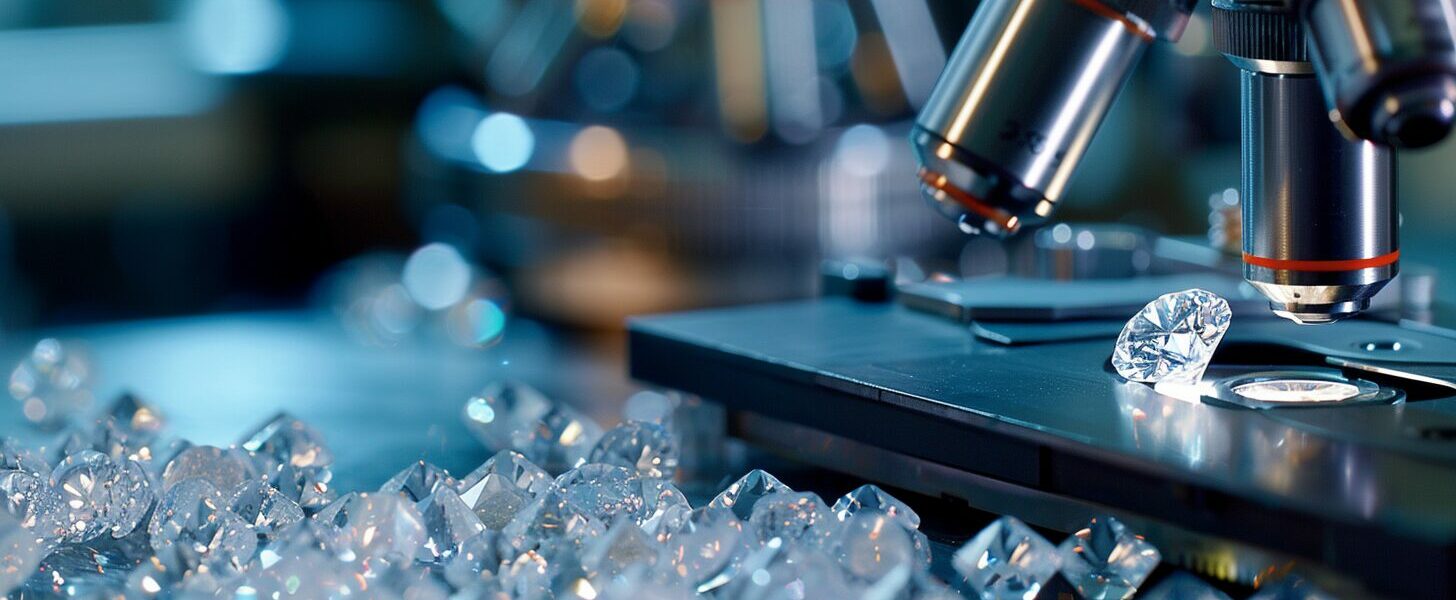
503, 142
598, 153
863, 150
436, 276
235, 36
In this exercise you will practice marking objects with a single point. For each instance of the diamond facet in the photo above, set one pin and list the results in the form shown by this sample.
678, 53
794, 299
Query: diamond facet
287, 440
870, 498
513, 415
515, 468
495, 500
418, 480
265, 509
382, 525
742, 494
708, 547
647, 448
1007, 560
1172, 338
603, 491
1104, 560
869, 545
193, 525
224, 469
1182, 586
448, 522
792, 516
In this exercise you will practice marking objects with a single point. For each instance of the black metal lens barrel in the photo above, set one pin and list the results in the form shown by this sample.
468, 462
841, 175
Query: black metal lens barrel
1388, 67
1320, 224
1021, 98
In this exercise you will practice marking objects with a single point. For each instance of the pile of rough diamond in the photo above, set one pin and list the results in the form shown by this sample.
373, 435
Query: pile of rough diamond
116, 510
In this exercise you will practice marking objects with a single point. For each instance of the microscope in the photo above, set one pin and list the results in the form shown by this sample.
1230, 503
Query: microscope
1329, 90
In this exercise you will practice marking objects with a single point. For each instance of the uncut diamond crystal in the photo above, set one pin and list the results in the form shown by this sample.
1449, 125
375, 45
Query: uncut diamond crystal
1172, 338
225, 469
193, 525
623, 546
418, 480
290, 441
791, 516
785, 570
475, 561
448, 522
603, 492
869, 545
871, 499
1007, 560
647, 448
495, 500
1182, 586
266, 510
515, 468
708, 548
1105, 561
15, 456
29, 499
513, 415
547, 526
83, 483
744, 493
1291, 588
131, 498
381, 525
20, 554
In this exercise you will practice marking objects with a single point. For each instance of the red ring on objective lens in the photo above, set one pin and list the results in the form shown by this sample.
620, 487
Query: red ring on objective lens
940, 182
1355, 264
1107, 12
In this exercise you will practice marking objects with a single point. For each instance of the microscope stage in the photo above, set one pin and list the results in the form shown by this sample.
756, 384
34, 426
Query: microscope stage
1046, 432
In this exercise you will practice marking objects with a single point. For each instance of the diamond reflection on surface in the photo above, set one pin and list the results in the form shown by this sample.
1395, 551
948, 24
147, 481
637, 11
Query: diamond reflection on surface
1297, 390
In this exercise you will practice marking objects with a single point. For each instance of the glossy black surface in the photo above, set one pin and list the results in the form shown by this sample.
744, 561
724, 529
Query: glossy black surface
1357, 489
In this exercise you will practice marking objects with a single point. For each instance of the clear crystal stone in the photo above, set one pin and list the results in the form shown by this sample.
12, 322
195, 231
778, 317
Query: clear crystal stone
131, 498
474, 562
708, 548
647, 448
869, 545
136, 415
15, 456
792, 516
224, 469
623, 546
83, 483
603, 492
645, 583
418, 480
20, 553
1007, 560
193, 525
287, 440
266, 510
662, 505
28, 498
870, 498
1182, 586
744, 493
514, 468
546, 526
495, 500
1291, 588
448, 522
781, 569
1104, 560
651, 407
50, 384
381, 525
513, 415
1172, 338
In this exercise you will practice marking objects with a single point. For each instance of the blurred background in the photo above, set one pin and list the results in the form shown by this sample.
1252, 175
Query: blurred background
569, 161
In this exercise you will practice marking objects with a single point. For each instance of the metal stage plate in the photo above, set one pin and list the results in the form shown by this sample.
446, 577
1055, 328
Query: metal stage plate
1362, 496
